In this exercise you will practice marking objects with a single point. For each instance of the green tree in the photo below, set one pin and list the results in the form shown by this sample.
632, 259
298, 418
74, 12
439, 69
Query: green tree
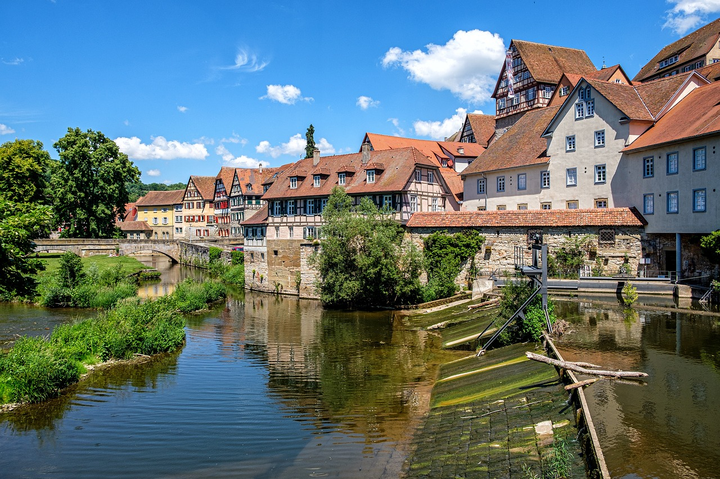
136, 190
444, 257
23, 168
310, 141
20, 223
71, 270
711, 246
363, 260
89, 183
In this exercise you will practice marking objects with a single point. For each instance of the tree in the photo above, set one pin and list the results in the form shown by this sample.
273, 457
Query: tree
23, 168
444, 257
711, 246
89, 183
136, 190
20, 223
310, 141
363, 260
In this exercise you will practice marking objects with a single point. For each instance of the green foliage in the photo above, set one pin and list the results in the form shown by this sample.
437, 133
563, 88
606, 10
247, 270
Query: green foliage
71, 270
235, 275
514, 294
444, 257
569, 257
715, 285
38, 368
23, 168
363, 261
237, 257
137, 189
214, 253
629, 294
20, 223
88, 184
309, 141
149, 275
599, 268
711, 246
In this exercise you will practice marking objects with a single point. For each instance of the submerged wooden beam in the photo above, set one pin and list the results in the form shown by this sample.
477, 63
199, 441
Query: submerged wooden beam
581, 370
580, 384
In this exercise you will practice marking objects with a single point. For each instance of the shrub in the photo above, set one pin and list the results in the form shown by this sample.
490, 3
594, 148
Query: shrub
629, 294
235, 275
444, 257
569, 257
71, 270
237, 257
214, 253
711, 246
514, 294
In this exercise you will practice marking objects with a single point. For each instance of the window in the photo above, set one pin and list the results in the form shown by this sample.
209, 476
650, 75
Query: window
672, 163
699, 159
481, 186
571, 177
601, 203
606, 236
323, 204
178, 219
370, 176
530, 94
310, 207
309, 232
600, 174
413, 203
590, 107
672, 202
648, 167
581, 94
699, 200
522, 181
580, 109
547, 92
291, 231
164, 220
649, 204
501, 207
431, 177
198, 205
570, 143
418, 175
501, 104
316, 181
546, 205
564, 91
572, 205
600, 138
500, 184
291, 208
387, 201
155, 221
522, 206
341, 179
277, 209
544, 179
434, 205
293, 182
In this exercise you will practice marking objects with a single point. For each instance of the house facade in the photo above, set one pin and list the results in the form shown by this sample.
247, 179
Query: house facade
198, 208
162, 211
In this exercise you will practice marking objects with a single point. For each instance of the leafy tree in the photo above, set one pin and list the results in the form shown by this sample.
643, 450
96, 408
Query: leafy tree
20, 223
23, 166
71, 270
136, 190
711, 246
89, 183
444, 257
363, 261
310, 145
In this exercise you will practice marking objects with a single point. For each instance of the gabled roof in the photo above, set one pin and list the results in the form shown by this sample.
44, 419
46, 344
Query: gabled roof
386, 142
205, 186
398, 167
605, 74
710, 72
130, 212
624, 97
522, 145
269, 175
226, 174
655, 94
260, 216
483, 127
133, 226
698, 114
691, 46
528, 218
158, 198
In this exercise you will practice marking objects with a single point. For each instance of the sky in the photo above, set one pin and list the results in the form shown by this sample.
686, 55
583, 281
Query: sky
185, 87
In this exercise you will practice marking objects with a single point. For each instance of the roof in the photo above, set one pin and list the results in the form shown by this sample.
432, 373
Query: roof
624, 97
158, 198
226, 174
710, 72
698, 114
260, 217
399, 165
133, 226
606, 73
528, 218
269, 175
547, 63
205, 186
657, 93
522, 145
483, 127
691, 46
130, 212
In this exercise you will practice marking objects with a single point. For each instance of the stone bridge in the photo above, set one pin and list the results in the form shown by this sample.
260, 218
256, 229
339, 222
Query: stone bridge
124, 247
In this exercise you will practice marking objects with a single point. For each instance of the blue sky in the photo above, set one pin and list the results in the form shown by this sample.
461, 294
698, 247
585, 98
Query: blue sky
186, 87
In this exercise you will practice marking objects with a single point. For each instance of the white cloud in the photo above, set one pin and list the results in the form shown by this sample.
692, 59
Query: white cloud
6, 130
126, 123
14, 61
235, 138
205, 140
688, 14
153, 172
439, 130
288, 94
396, 124
466, 65
161, 149
246, 61
365, 102
294, 147
241, 161
182, 109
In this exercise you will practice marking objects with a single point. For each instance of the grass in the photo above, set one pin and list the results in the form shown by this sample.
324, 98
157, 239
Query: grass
129, 265
36, 369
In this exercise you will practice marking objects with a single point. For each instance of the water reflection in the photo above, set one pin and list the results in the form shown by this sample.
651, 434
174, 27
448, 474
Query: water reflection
667, 427
171, 274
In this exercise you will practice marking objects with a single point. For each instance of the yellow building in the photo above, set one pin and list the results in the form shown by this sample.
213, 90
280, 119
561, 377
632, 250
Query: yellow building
163, 212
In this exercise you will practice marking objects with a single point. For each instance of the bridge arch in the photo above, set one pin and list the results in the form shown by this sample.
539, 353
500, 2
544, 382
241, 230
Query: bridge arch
148, 250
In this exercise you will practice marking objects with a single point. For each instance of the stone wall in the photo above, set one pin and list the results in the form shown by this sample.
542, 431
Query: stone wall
694, 263
198, 254
256, 269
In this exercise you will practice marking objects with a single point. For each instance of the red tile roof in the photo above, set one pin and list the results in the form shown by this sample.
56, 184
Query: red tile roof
547, 63
528, 218
710, 72
656, 94
205, 186
624, 97
133, 226
689, 47
483, 127
605, 74
698, 114
158, 198
226, 174
521, 145
260, 216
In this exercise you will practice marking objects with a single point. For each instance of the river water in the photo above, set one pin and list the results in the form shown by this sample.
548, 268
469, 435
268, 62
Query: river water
278, 387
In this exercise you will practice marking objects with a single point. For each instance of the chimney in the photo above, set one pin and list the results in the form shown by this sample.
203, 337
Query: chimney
316, 157
365, 153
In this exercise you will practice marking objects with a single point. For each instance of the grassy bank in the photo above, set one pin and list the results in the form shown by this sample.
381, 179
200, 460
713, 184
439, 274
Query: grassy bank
36, 369
129, 265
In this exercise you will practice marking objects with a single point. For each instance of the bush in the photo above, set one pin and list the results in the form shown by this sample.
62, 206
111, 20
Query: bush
629, 294
214, 253
444, 257
514, 294
569, 257
237, 257
71, 270
235, 275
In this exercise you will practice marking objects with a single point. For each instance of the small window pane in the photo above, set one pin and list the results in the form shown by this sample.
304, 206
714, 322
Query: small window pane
699, 159
571, 177
648, 167
699, 200
649, 204
672, 202
522, 181
672, 163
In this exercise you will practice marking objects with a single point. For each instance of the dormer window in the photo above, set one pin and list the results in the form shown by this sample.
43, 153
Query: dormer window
431, 177
293, 182
341, 179
370, 176
564, 91
418, 175
316, 181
